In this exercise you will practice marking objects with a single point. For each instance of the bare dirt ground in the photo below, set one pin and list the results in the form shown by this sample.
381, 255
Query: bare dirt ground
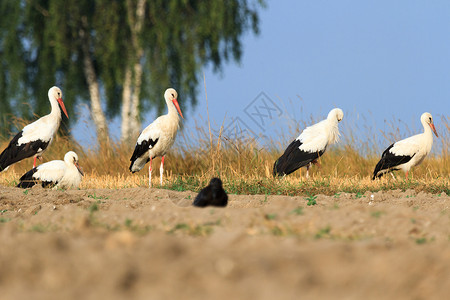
152, 244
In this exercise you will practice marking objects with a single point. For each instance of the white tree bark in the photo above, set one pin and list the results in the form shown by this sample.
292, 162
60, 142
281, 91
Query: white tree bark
97, 114
134, 114
131, 124
126, 106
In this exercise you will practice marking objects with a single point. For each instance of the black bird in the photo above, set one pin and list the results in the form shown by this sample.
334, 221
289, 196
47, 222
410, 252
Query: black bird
213, 194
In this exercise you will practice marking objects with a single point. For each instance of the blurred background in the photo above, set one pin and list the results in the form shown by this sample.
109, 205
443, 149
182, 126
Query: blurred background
268, 68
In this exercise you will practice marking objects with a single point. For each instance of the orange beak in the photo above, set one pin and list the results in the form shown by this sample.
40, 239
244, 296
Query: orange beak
434, 129
175, 102
79, 168
61, 103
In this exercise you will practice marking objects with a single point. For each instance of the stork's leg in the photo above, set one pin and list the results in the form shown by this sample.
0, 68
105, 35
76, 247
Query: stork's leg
406, 175
307, 170
150, 173
316, 162
34, 161
161, 170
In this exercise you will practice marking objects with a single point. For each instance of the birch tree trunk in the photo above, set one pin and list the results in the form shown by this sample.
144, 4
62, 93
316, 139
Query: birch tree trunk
125, 132
134, 113
131, 124
97, 114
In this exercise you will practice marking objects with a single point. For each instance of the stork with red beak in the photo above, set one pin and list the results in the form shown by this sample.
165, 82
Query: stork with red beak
407, 153
34, 138
56, 173
157, 138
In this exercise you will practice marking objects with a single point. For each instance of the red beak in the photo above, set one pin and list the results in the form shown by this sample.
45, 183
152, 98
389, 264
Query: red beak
61, 103
79, 168
434, 129
175, 102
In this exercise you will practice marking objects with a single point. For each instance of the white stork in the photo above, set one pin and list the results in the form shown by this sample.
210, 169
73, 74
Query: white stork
34, 138
60, 174
157, 138
407, 153
310, 145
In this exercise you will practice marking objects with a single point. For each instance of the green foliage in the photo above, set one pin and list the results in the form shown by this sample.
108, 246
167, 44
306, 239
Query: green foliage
42, 44
94, 207
298, 211
377, 214
359, 195
267, 186
128, 222
197, 230
311, 200
324, 232
95, 197
270, 216
141, 230
39, 228
421, 241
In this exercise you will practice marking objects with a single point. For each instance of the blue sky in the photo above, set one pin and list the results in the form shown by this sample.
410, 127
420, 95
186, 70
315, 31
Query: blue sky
380, 61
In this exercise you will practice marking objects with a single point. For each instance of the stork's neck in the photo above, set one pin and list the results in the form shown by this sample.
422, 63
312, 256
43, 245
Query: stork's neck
428, 134
56, 110
427, 138
172, 111
334, 131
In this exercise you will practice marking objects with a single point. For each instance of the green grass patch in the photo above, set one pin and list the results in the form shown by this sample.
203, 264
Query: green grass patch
331, 186
421, 241
297, 211
311, 200
377, 214
323, 233
94, 207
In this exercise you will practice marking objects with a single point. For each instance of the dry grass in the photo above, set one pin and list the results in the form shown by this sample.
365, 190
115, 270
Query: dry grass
246, 167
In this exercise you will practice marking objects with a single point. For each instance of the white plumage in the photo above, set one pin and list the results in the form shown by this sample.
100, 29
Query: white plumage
62, 174
157, 138
310, 144
34, 138
407, 153
317, 137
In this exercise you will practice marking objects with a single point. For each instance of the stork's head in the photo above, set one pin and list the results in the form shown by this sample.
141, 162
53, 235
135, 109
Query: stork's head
71, 158
172, 95
55, 93
426, 118
336, 114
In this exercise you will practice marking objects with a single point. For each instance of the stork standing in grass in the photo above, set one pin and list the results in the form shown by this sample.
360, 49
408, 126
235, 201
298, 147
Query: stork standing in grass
310, 145
157, 138
34, 138
56, 173
407, 153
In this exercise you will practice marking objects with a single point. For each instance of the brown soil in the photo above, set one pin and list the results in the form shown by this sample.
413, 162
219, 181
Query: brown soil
152, 244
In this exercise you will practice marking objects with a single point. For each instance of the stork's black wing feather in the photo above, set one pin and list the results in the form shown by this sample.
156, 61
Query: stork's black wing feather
389, 161
27, 180
142, 148
14, 152
293, 158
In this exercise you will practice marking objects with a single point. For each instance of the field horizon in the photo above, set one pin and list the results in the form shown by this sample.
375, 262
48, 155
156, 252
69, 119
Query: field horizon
246, 167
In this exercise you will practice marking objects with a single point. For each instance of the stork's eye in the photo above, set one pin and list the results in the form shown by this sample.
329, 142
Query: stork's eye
173, 95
